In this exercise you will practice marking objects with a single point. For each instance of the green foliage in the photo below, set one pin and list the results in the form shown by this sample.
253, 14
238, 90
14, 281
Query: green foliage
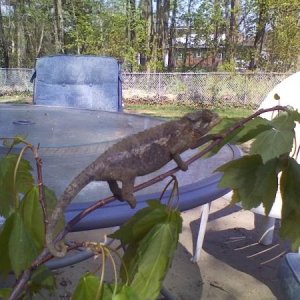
138, 226
22, 235
277, 140
150, 238
290, 191
21, 248
127, 29
254, 178
150, 246
5, 292
252, 181
90, 288
23, 232
42, 277
15, 178
33, 217
5, 264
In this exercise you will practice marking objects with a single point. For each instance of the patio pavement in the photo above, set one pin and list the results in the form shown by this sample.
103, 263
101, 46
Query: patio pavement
232, 264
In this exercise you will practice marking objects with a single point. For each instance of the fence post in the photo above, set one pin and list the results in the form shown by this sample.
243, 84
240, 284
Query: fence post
159, 92
245, 88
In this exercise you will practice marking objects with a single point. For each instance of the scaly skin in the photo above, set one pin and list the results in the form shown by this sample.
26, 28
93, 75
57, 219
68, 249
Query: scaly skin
135, 155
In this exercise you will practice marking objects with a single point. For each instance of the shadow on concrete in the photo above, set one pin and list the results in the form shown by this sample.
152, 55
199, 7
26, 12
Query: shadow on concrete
184, 280
239, 248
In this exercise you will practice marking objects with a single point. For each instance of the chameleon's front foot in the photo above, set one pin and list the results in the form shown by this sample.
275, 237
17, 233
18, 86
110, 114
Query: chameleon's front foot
180, 163
125, 193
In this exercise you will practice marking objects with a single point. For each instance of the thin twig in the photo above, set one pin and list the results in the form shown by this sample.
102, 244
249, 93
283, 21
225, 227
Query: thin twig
42, 201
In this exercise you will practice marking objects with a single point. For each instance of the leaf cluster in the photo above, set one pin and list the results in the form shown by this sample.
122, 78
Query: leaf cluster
150, 239
23, 232
255, 178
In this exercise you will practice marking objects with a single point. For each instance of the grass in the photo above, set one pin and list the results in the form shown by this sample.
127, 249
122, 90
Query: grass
168, 111
16, 99
175, 111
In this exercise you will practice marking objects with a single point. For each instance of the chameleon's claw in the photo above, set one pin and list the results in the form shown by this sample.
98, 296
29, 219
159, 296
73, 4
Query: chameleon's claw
184, 166
130, 200
132, 204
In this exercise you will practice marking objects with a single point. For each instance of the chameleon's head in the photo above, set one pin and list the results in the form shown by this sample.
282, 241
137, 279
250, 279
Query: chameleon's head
202, 120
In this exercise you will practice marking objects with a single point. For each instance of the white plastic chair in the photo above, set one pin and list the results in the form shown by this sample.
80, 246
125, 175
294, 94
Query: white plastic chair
289, 93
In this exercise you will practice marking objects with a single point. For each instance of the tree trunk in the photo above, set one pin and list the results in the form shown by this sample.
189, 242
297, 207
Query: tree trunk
187, 36
131, 21
59, 26
147, 14
3, 44
259, 36
231, 38
172, 37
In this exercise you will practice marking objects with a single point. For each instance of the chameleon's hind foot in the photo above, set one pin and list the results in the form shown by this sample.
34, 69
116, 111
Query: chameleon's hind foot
114, 187
130, 199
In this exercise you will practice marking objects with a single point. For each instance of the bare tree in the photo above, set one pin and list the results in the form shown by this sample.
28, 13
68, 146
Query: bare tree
232, 32
187, 35
261, 23
59, 26
4, 46
172, 37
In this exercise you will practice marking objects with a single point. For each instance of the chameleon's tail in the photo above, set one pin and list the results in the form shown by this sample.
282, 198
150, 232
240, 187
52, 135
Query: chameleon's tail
78, 183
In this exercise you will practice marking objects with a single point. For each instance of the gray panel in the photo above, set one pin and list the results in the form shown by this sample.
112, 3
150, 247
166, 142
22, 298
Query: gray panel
78, 81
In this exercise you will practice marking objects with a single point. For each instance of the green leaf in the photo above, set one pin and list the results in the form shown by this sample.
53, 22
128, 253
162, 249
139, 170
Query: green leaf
284, 121
107, 292
290, 183
33, 217
5, 264
41, 278
142, 222
220, 128
18, 139
5, 293
295, 115
252, 181
242, 133
237, 172
290, 192
154, 255
125, 293
276, 141
251, 129
224, 125
266, 184
22, 250
9, 189
87, 288
149, 254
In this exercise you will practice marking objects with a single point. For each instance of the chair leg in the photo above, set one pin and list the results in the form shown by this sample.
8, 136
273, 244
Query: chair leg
201, 232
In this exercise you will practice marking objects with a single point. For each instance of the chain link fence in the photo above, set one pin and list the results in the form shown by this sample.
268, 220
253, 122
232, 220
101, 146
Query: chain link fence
203, 89
206, 89
15, 81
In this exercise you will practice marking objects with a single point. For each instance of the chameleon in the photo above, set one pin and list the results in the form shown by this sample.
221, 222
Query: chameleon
136, 155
